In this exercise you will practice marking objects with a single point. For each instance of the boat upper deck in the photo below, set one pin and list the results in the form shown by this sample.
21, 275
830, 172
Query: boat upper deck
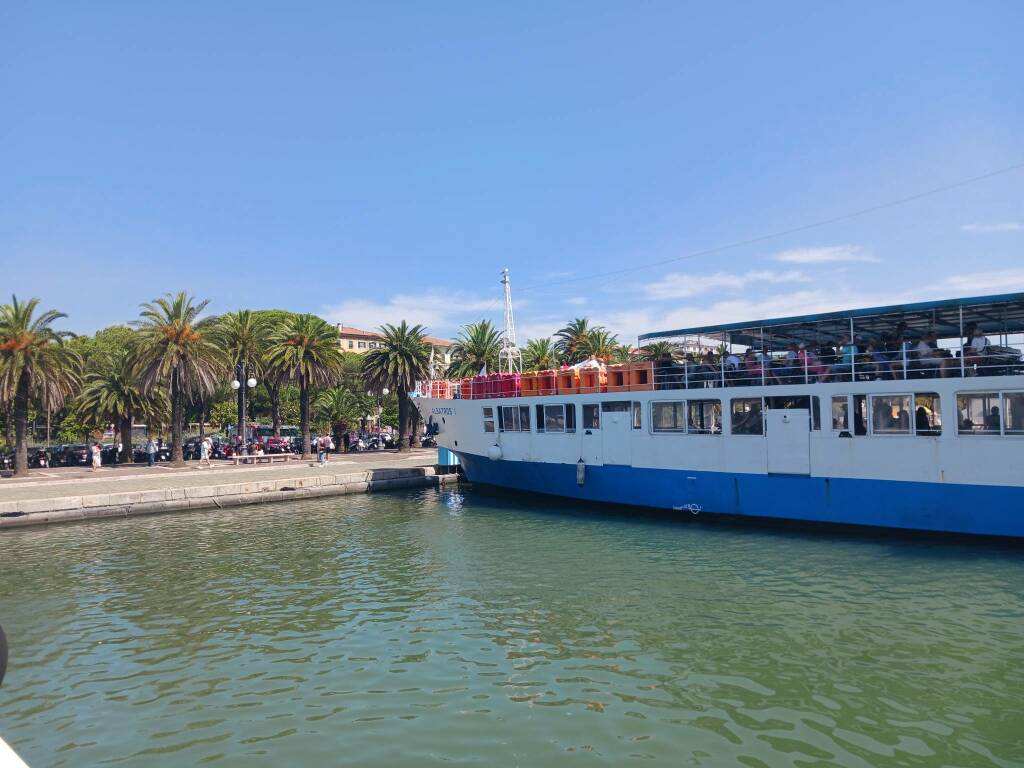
976, 336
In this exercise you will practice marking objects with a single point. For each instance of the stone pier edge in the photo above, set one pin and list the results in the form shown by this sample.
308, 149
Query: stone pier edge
67, 509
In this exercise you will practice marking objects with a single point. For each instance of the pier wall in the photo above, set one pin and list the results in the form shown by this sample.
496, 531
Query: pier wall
63, 509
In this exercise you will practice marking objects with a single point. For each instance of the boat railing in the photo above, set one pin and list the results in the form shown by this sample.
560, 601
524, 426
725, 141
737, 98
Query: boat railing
745, 370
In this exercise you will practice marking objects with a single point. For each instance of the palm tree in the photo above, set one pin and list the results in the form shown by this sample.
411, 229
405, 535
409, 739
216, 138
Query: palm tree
475, 348
112, 394
305, 349
657, 350
35, 364
570, 341
539, 355
342, 407
402, 356
173, 352
599, 343
244, 337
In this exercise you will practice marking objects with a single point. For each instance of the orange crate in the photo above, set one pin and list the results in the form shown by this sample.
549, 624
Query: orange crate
567, 382
592, 381
530, 384
617, 378
641, 377
546, 384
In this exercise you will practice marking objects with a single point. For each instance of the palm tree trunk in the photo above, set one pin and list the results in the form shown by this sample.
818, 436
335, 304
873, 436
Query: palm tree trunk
8, 426
304, 417
127, 455
21, 426
414, 424
177, 416
403, 420
274, 392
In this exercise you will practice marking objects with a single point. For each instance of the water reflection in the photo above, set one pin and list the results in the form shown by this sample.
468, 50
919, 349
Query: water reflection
410, 629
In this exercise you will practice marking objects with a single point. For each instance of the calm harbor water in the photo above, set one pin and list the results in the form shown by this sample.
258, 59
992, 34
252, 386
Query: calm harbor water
460, 627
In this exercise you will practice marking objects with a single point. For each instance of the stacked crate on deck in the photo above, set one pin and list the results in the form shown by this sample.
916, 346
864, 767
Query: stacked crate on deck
546, 383
641, 377
567, 382
593, 381
528, 384
618, 378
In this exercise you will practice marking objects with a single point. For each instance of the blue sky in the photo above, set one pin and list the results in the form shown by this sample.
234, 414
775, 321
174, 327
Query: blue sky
379, 161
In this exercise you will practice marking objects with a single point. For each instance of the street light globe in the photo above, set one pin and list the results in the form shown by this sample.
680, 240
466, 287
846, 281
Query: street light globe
385, 391
251, 382
235, 384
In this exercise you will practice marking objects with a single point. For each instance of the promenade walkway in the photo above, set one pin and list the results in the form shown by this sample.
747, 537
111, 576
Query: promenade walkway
66, 494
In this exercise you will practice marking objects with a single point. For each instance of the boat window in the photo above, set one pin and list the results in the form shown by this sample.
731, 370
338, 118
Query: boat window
927, 414
860, 415
704, 417
841, 413
978, 413
591, 416
540, 418
637, 422
554, 418
488, 419
570, 417
669, 416
612, 406
1013, 413
514, 418
890, 414
747, 416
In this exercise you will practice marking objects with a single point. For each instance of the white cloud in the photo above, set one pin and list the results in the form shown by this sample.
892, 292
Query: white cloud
678, 285
442, 313
980, 283
1006, 226
827, 254
576, 301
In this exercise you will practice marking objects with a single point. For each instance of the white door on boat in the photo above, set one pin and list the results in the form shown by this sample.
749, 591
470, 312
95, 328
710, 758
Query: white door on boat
788, 441
590, 444
617, 437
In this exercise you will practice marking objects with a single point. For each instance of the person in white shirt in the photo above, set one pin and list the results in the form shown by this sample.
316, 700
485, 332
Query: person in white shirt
975, 346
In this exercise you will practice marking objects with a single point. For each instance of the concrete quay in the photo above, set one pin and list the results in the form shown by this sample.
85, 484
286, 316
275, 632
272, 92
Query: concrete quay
67, 496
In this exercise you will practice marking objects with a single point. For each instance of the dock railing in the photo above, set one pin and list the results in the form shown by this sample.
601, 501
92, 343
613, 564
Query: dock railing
766, 370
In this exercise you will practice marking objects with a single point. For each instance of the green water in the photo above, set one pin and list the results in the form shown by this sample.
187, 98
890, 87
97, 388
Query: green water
458, 628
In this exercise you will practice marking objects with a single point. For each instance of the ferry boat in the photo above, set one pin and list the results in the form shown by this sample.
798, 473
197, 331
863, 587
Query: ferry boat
907, 417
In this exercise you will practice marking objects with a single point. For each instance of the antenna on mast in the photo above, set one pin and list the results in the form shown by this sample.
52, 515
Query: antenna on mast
510, 359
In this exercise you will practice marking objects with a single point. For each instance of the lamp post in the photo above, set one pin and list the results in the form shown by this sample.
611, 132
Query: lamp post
242, 385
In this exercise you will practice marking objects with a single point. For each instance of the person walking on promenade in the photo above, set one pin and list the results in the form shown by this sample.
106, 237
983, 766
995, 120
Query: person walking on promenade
95, 452
204, 451
151, 451
321, 450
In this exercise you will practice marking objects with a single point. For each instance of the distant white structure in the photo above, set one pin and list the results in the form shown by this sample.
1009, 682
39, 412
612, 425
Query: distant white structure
510, 358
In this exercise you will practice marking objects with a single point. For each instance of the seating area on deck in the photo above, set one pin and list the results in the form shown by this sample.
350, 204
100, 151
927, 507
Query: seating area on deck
982, 336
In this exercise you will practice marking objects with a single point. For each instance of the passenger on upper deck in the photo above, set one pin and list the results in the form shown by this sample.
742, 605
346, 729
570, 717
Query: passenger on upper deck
848, 356
929, 357
811, 364
975, 345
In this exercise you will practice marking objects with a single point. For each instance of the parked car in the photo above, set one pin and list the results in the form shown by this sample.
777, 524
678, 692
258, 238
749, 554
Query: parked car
139, 453
277, 445
73, 455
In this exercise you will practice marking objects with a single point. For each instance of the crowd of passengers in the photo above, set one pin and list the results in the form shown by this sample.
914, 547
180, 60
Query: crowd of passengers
885, 358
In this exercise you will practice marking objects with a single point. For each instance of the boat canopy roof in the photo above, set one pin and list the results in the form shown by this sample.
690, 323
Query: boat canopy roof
998, 314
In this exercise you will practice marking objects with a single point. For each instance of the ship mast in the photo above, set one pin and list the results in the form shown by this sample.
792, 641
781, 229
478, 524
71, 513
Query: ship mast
510, 359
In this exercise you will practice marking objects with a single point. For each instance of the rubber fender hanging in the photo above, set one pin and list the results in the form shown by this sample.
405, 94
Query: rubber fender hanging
581, 472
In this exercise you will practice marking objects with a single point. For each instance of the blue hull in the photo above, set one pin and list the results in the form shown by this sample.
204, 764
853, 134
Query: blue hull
969, 509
